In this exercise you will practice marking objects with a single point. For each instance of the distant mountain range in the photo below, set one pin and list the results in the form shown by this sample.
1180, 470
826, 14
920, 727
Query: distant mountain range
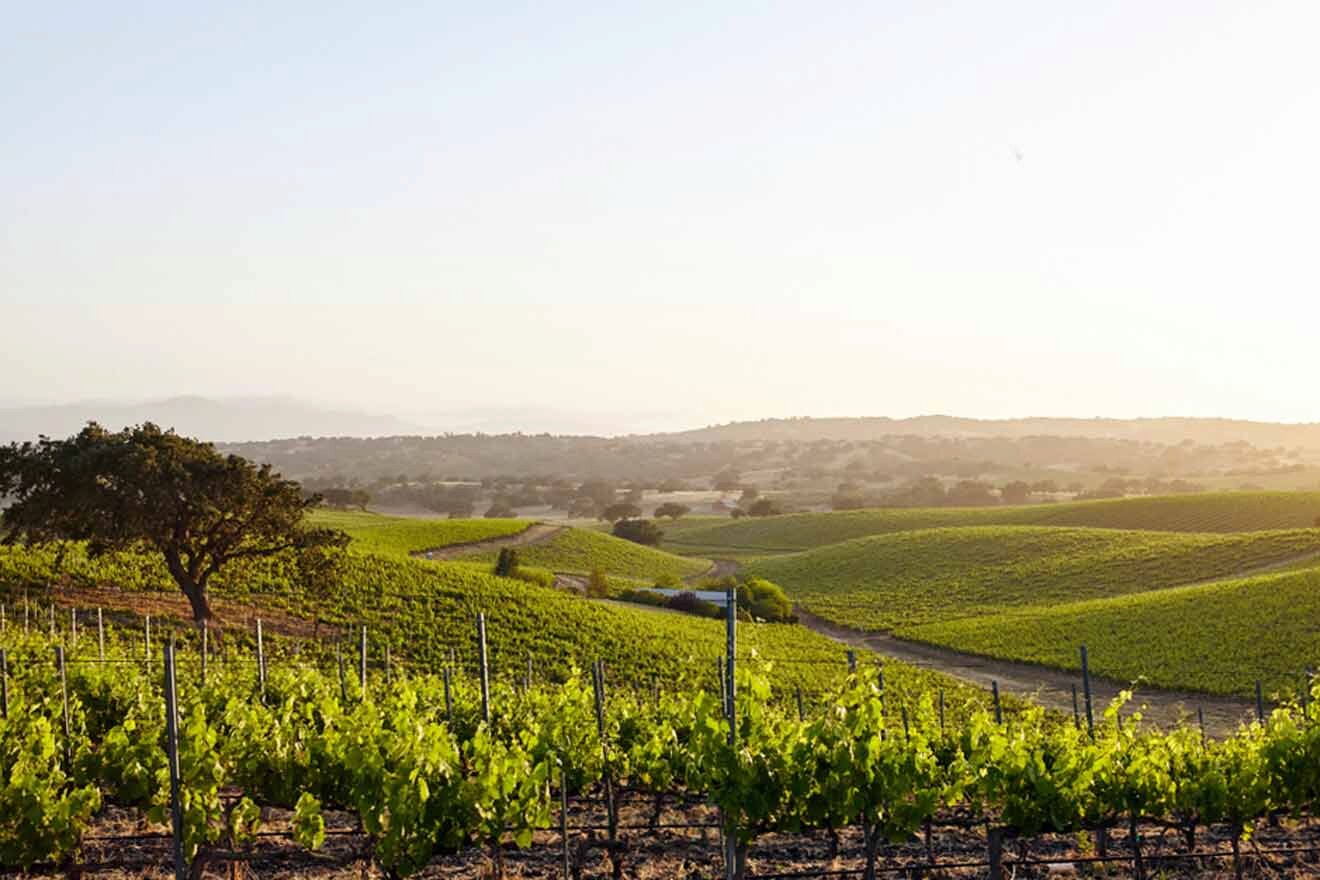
218, 420
246, 419
1164, 430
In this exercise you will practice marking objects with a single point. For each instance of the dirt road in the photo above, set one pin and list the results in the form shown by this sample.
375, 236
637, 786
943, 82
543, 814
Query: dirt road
1049, 687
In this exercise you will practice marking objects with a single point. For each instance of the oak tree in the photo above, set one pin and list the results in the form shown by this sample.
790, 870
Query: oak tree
148, 489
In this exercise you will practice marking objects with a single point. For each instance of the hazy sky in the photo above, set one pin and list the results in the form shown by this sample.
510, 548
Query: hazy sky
707, 211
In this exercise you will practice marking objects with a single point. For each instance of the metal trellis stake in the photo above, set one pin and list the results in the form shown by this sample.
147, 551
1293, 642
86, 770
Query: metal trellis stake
1260, 704
731, 648
999, 712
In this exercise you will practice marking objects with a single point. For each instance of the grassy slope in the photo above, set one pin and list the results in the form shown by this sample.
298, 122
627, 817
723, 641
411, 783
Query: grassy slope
373, 532
1210, 512
915, 577
424, 610
1216, 637
581, 550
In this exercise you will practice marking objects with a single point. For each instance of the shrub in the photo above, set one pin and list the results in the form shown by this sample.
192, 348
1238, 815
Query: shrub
765, 600
542, 577
644, 597
765, 507
639, 531
689, 603
499, 510
597, 585
506, 565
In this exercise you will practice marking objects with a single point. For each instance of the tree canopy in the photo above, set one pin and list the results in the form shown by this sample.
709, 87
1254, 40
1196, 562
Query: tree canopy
145, 488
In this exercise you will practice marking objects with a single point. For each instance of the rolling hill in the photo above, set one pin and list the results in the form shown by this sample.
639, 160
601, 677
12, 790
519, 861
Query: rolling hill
910, 578
1218, 637
1207, 512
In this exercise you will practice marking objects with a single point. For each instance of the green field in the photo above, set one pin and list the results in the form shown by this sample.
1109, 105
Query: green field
933, 575
399, 535
1209, 512
1217, 637
581, 550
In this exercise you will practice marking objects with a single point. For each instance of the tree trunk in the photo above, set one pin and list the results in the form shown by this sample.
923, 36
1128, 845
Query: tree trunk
194, 590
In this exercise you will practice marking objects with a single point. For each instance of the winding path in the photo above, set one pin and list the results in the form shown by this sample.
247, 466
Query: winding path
536, 533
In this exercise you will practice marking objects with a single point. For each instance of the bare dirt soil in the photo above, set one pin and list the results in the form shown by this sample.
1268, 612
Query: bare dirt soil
957, 844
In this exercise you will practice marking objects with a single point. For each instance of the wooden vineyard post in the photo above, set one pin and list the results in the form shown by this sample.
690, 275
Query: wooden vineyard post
146, 631
563, 818
343, 679
1086, 689
172, 743
64, 699
1077, 715
2, 617
485, 668
362, 662
261, 661
4, 684
719, 669
999, 712
205, 629
100, 636
612, 817
995, 841
802, 716
852, 661
1200, 718
449, 701
941, 710
1260, 704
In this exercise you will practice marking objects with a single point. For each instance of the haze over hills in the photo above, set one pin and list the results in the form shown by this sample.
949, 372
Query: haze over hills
251, 419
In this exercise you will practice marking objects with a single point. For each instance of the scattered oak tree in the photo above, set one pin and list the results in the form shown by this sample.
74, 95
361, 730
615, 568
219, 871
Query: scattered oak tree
144, 488
620, 510
672, 509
